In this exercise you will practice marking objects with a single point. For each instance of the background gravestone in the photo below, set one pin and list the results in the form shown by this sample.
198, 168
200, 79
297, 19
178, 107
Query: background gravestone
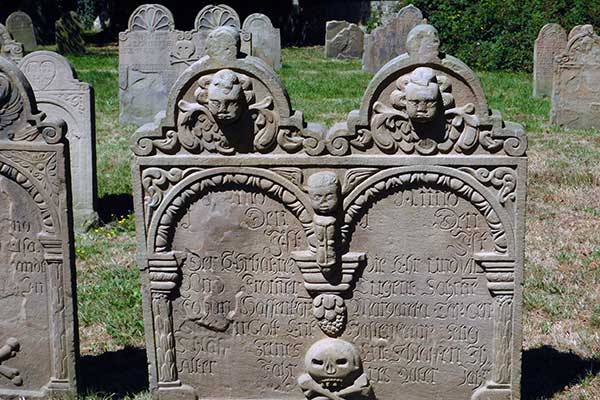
550, 42
69, 34
9, 48
388, 41
380, 258
343, 40
266, 40
20, 27
38, 342
578, 29
145, 71
61, 95
576, 88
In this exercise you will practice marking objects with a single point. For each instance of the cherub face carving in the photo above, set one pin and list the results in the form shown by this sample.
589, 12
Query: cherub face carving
333, 363
323, 189
422, 95
225, 96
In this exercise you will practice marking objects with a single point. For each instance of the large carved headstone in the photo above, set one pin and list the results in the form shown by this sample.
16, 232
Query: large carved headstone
20, 26
266, 40
576, 88
343, 40
37, 338
388, 41
69, 34
61, 95
9, 48
380, 258
550, 42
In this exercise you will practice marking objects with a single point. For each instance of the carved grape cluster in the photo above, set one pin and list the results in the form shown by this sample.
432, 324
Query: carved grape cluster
330, 311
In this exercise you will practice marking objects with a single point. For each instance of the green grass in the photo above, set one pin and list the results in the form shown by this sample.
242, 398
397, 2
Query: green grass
562, 271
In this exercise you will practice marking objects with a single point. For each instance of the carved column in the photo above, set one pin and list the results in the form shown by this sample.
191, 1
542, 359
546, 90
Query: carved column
164, 278
53, 257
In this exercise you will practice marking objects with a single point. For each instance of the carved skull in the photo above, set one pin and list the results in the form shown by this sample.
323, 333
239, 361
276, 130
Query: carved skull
226, 96
422, 95
184, 49
333, 363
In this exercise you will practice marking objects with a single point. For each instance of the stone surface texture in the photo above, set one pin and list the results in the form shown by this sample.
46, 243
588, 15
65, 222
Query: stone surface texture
379, 258
20, 26
10, 48
388, 40
550, 42
69, 34
343, 40
576, 88
266, 39
38, 342
152, 53
60, 94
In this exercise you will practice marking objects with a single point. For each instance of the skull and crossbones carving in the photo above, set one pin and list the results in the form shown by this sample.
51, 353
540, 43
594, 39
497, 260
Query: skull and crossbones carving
334, 372
8, 351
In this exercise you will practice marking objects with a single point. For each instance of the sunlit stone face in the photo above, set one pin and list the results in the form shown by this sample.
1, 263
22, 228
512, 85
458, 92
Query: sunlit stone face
323, 192
422, 95
225, 96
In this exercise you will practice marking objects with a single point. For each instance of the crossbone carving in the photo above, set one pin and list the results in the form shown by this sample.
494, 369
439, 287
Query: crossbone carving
8, 351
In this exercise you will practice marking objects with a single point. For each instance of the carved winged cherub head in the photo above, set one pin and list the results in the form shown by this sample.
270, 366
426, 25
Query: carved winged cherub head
323, 190
422, 95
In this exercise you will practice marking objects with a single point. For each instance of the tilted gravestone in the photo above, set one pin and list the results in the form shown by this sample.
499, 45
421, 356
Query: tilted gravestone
152, 54
576, 88
9, 48
550, 42
381, 256
61, 95
69, 34
20, 26
266, 39
343, 40
388, 41
37, 322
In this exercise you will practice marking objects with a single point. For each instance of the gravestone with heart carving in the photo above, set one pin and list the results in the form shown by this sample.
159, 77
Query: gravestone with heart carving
61, 95
379, 258
38, 338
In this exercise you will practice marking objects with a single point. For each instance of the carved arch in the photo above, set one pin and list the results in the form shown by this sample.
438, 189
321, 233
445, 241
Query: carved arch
168, 213
463, 184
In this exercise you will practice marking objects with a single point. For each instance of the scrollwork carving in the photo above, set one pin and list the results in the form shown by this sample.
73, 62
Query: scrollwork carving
504, 179
8, 351
11, 102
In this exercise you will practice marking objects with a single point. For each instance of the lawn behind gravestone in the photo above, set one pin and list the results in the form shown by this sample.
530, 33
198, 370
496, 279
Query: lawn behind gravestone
562, 277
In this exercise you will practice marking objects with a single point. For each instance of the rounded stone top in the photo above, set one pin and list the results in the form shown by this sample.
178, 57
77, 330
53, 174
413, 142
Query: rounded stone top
211, 17
151, 18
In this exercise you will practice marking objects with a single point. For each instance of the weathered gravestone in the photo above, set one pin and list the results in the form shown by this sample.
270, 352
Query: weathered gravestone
37, 337
20, 26
266, 40
9, 48
577, 29
550, 42
69, 34
152, 54
60, 94
343, 40
576, 89
381, 257
388, 41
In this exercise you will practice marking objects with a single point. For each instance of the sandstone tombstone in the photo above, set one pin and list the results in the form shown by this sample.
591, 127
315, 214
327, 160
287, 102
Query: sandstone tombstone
266, 40
38, 342
380, 258
576, 88
10, 48
388, 41
20, 26
61, 95
550, 42
579, 29
343, 40
69, 34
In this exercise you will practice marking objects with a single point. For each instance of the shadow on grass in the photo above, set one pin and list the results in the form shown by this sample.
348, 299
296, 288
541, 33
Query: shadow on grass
118, 373
547, 371
112, 206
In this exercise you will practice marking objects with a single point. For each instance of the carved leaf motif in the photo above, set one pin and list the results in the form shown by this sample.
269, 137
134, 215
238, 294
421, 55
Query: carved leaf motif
355, 176
11, 103
292, 174
265, 124
42, 166
502, 178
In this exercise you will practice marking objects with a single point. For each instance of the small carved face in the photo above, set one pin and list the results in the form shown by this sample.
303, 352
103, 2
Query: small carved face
333, 363
422, 95
225, 96
323, 192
